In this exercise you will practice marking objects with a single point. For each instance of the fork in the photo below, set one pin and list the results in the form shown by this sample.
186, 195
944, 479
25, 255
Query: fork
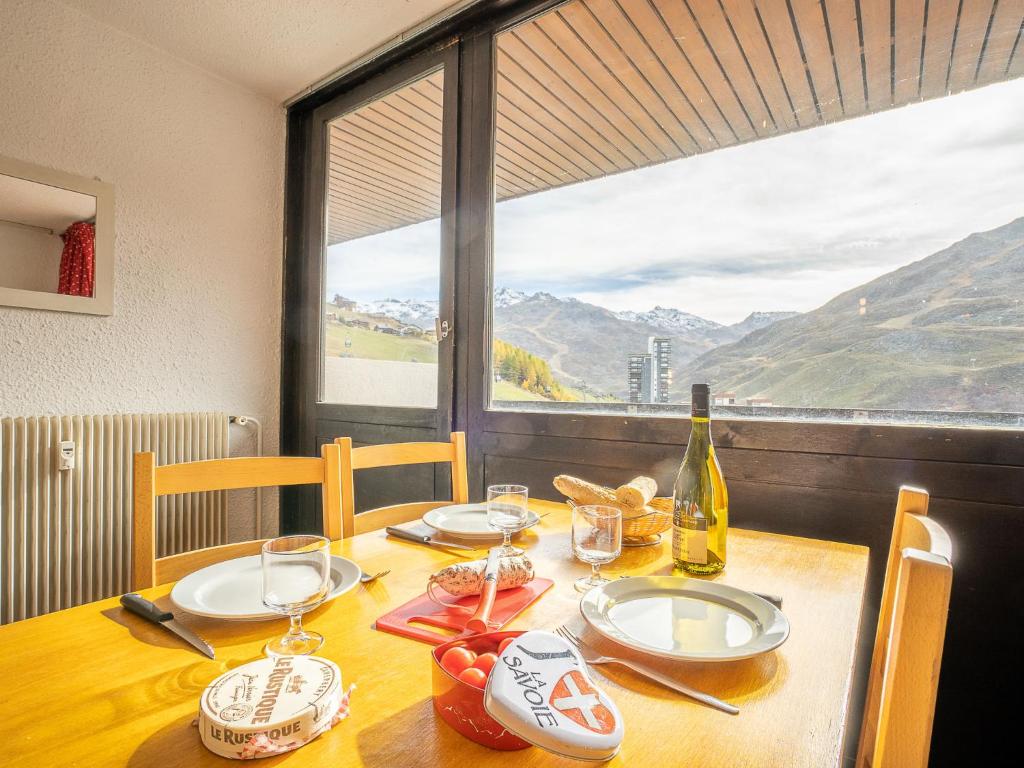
591, 657
365, 578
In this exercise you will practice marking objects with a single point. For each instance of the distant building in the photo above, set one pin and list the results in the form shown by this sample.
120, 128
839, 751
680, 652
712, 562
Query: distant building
387, 329
660, 350
759, 402
639, 373
724, 398
342, 303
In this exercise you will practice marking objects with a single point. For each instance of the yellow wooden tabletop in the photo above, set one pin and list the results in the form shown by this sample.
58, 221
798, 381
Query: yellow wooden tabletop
97, 686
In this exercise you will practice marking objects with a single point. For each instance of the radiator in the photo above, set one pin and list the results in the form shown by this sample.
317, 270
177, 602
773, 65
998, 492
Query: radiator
65, 535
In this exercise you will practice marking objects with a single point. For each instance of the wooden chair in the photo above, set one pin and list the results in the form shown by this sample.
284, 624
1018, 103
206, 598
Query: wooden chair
151, 481
900, 703
393, 455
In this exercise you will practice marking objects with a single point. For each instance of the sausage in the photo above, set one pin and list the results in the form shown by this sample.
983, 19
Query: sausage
466, 578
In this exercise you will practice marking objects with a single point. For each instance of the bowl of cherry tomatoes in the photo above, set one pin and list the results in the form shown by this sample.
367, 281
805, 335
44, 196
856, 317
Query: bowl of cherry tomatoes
461, 670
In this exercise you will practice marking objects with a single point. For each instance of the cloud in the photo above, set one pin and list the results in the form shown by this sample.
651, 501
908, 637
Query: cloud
781, 223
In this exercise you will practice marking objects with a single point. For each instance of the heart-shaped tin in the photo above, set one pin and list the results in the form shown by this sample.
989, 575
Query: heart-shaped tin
540, 690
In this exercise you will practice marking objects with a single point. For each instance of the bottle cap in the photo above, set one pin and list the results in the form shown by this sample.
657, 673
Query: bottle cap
700, 399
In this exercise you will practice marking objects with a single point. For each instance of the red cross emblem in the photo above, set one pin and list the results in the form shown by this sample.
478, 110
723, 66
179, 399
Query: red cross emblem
575, 698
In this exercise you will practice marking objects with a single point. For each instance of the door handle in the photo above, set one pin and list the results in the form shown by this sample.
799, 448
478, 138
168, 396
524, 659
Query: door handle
441, 328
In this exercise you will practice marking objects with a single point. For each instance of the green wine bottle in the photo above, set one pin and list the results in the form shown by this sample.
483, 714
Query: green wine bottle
700, 502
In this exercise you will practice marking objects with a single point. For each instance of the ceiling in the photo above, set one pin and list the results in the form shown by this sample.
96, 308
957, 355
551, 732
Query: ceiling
275, 48
597, 87
40, 205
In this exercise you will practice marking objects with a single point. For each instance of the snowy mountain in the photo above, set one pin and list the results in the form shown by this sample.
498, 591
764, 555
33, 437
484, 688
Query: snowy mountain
506, 297
409, 311
669, 319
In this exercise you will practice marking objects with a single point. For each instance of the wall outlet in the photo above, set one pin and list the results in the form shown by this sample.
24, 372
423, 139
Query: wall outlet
66, 454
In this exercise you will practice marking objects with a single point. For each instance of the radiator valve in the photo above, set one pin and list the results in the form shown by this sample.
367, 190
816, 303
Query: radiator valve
66, 454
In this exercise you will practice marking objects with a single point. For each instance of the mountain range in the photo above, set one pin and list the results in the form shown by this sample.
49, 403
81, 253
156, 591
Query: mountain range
942, 333
587, 346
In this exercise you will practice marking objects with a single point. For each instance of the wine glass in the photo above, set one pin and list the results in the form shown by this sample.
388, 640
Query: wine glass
596, 539
507, 512
296, 579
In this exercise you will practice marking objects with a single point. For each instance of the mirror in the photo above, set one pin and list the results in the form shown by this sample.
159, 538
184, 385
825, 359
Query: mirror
56, 240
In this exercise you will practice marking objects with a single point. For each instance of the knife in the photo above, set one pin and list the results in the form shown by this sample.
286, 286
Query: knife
140, 606
419, 538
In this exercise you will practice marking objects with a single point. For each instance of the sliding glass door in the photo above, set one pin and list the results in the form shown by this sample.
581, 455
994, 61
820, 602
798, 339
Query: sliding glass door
376, 362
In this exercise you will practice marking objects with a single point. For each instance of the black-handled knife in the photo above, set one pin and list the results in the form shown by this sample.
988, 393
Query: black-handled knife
140, 606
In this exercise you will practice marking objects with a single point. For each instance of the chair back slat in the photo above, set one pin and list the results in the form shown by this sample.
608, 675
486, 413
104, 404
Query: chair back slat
151, 481
242, 472
903, 682
391, 455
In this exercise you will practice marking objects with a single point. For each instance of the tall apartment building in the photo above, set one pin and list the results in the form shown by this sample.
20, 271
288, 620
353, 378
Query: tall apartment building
639, 372
660, 350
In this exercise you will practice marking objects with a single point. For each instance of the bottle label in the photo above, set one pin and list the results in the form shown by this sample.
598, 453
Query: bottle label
690, 542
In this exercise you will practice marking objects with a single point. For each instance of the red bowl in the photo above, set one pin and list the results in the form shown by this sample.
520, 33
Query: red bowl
461, 705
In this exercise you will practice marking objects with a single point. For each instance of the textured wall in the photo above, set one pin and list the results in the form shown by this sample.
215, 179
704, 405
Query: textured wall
197, 167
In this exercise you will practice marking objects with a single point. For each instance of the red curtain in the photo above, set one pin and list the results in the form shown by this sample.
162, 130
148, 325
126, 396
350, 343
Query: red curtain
78, 261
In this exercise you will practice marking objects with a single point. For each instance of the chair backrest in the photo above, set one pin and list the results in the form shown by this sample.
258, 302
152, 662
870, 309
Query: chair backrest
393, 455
151, 481
904, 677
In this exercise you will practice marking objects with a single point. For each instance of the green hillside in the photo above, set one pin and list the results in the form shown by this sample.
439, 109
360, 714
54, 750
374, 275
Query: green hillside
943, 333
370, 344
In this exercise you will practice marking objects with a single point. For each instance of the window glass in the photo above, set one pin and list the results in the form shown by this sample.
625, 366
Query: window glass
382, 261
698, 192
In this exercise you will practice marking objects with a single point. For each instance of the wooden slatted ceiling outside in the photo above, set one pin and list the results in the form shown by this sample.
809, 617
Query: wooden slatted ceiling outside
597, 87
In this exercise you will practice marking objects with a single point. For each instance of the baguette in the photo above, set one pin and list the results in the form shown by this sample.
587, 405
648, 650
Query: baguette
583, 492
638, 492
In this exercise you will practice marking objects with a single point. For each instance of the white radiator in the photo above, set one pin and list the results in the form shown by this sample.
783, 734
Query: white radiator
65, 536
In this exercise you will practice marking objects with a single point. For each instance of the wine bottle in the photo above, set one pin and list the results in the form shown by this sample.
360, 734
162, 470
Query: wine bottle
700, 502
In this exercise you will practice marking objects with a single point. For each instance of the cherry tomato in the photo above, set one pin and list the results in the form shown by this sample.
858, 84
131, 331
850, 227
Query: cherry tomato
504, 644
481, 646
474, 677
457, 659
485, 662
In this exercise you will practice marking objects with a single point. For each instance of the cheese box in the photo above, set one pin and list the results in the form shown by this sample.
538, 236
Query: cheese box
271, 706
539, 692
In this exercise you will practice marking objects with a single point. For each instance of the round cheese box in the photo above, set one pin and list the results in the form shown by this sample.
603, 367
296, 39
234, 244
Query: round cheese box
270, 706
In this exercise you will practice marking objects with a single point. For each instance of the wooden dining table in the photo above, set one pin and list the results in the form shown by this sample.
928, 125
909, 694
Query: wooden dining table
95, 685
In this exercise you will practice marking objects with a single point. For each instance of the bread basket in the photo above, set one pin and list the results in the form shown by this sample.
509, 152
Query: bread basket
642, 528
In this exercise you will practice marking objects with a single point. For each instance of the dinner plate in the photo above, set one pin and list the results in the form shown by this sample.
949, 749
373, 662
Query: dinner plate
686, 619
234, 589
467, 521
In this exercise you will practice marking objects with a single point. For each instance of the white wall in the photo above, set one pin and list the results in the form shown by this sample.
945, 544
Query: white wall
29, 258
197, 166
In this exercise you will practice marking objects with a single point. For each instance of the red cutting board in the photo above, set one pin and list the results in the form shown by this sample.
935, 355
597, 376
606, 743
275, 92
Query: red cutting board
508, 603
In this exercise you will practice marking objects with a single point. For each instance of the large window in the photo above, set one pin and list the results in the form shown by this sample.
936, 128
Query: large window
690, 192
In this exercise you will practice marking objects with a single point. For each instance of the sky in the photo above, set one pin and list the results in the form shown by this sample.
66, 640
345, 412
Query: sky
781, 224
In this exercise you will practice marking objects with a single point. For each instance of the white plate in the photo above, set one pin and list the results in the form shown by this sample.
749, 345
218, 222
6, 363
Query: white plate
234, 589
686, 619
467, 521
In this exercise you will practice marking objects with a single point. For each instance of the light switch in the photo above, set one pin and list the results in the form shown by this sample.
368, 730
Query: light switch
66, 454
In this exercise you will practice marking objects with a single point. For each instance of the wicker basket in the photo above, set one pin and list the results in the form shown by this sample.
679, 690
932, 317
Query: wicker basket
639, 530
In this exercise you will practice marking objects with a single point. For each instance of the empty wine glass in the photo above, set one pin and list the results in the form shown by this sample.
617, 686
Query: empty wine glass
596, 539
507, 511
296, 579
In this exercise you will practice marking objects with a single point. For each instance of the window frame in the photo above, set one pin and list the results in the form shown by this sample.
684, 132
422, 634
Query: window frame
474, 30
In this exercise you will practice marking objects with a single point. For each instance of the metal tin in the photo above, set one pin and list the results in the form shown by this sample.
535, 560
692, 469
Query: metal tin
539, 692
